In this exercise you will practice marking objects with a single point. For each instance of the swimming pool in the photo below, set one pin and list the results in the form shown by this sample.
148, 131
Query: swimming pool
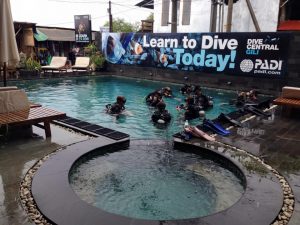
85, 98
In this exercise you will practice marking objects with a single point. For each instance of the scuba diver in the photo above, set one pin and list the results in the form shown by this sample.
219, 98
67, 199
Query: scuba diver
196, 88
166, 92
118, 107
243, 98
187, 88
161, 115
202, 100
154, 98
191, 109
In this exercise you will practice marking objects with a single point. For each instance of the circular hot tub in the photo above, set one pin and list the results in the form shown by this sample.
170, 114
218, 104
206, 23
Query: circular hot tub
152, 180
106, 182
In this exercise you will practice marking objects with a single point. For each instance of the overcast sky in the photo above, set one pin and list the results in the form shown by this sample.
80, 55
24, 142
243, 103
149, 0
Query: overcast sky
60, 13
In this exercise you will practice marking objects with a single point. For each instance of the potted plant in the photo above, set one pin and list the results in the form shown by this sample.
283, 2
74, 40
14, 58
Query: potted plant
31, 67
90, 50
97, 62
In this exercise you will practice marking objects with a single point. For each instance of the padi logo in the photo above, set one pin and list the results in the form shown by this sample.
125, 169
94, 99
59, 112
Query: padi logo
268, 64
260, 66
246, 65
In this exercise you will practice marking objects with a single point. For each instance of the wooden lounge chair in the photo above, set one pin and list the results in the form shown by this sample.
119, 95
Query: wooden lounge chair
16, 110
81, 63
290, 97
57, 64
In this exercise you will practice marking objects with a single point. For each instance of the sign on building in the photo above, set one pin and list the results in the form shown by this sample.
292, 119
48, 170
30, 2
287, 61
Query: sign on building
83, 28
242, 54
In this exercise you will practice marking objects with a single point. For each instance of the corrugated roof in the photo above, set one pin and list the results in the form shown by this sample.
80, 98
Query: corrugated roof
55, 34
58, 34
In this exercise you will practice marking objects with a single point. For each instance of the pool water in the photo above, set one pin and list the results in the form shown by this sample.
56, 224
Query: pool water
85, 99
154, 181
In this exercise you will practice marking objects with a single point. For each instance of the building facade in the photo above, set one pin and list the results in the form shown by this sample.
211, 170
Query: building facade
195, 15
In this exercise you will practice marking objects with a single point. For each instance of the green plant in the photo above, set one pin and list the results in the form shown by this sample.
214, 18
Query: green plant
91, 49
32, 65
97, 60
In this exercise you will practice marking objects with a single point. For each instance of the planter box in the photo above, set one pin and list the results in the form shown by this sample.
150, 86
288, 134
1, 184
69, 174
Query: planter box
29, 73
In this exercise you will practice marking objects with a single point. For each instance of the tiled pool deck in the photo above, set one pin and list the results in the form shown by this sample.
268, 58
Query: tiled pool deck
276, 140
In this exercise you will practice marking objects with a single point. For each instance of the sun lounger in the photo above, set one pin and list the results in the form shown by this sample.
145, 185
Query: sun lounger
290, 97
57, 64
81, 63
16, 110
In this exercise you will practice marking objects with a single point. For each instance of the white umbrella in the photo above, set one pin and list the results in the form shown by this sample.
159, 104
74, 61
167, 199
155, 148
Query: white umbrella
8, 47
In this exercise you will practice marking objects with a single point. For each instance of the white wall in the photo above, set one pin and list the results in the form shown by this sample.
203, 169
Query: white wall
266, 12
200, 17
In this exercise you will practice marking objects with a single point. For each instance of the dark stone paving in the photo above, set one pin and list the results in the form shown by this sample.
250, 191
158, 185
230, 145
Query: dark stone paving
16, 158
277, 141
259, 204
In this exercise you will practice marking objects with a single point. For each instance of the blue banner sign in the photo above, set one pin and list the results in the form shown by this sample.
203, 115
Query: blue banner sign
243, 54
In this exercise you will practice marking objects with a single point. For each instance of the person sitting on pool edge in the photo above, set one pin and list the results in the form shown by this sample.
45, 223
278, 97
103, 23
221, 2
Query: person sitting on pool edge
246, 97
117, 107
161, 115
194, 131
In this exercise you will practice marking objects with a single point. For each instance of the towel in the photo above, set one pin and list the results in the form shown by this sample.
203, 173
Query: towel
13, 100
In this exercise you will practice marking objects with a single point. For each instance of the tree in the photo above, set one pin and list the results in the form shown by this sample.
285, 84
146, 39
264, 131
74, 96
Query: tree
120, 25
150, 17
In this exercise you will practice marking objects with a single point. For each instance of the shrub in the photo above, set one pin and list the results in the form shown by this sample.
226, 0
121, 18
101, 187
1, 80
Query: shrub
97, 61
32, 65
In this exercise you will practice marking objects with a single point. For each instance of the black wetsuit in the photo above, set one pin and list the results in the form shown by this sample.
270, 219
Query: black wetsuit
202, 101
161, 115
186, 89
153, 98
192, 112
115, 108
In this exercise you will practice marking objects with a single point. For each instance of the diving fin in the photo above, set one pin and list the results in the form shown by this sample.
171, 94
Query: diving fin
229, 119
217, 128
257, 111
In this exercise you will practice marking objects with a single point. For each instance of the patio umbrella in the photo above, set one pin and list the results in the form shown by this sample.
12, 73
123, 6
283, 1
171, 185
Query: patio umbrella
9, 55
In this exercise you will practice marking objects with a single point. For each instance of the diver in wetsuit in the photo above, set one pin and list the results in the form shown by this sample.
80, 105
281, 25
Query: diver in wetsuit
166, 92
191, 110
243, 98
201, 100
154, 98
117, 107
186, 89
161, 115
